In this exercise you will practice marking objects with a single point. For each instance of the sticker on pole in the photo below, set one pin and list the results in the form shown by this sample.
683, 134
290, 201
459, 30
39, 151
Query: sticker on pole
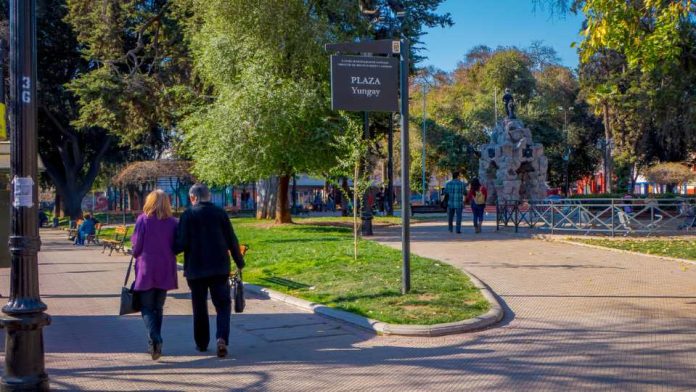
3, 125
23, 192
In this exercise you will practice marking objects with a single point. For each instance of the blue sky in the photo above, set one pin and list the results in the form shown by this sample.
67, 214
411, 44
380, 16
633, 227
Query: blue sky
499, 23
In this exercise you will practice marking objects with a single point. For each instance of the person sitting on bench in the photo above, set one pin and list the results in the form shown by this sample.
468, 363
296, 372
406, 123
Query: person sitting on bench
87, 228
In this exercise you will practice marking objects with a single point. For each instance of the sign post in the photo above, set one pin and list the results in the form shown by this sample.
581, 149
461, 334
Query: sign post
373, 83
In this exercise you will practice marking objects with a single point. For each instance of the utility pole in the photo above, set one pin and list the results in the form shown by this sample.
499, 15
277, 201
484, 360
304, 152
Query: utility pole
425, 182
390, 167
366, 210
405, 186
25, 317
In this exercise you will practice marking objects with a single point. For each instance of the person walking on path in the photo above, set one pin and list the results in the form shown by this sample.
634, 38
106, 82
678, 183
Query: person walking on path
477, 197
155, 263
206, 237
454, 191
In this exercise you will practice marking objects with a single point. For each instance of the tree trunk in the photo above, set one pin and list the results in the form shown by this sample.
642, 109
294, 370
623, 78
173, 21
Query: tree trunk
72, 207
266, 198
283, 209
57, 210
609, 167
346, 197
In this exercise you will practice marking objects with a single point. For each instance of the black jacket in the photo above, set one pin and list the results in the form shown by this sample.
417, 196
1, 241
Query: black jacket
205, 235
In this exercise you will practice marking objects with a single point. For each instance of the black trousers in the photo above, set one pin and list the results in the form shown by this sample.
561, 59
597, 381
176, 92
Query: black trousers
219, 288
152, 305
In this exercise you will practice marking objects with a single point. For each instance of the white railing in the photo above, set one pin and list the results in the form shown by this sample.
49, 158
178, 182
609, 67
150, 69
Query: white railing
605, 216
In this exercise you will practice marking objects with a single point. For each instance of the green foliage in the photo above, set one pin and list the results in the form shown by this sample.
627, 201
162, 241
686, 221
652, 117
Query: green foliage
136, 55
270, 110
647, 32
510, 69
637, 70
461, 107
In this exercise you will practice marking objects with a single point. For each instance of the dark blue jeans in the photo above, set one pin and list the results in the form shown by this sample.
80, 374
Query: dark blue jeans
219, 288
478, 211
152, 309
451, 212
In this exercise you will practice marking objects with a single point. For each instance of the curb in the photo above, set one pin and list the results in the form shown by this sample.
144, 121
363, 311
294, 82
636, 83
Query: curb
545, 237
494, 315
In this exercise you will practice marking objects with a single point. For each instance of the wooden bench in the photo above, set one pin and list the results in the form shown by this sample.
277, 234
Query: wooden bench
427, 209
117, 242
94, 238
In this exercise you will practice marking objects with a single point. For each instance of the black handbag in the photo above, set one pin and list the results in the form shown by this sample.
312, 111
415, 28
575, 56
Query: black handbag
445, 201
129, 297
237, 292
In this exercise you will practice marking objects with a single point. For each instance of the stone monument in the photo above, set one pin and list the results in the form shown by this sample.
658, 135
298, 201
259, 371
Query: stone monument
512, 166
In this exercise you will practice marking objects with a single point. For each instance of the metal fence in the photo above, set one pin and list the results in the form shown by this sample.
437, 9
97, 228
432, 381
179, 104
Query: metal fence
600, 216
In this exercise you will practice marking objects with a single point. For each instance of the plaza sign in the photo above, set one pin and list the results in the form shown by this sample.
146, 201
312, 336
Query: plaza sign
364, 83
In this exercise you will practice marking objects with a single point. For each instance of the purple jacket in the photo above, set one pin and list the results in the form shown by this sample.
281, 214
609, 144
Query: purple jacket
153, 248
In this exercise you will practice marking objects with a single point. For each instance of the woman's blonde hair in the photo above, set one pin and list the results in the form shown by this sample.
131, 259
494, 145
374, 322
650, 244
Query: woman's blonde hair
157, 203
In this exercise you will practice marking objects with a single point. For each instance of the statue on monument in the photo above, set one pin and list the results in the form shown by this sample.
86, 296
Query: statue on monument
509, 102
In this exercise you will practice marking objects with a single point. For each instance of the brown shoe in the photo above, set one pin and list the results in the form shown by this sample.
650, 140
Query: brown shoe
221, 348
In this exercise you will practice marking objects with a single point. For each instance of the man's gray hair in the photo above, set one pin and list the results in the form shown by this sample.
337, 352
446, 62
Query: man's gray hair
200, 192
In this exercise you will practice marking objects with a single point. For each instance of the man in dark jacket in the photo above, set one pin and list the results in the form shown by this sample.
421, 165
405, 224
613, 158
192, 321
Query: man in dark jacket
206, 237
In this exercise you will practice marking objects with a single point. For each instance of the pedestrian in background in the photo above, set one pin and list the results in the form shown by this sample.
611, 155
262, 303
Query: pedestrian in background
454, 189
477, 197
206, 237
155, 263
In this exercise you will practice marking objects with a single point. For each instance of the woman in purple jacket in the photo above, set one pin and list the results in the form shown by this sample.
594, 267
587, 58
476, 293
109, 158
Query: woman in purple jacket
155, 265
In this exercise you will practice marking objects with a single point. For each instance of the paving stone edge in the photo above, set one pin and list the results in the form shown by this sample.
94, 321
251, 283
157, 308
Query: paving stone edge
493, 316
624, 251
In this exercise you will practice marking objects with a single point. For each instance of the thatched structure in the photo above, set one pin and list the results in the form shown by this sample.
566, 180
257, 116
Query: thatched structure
139, 173
139, 178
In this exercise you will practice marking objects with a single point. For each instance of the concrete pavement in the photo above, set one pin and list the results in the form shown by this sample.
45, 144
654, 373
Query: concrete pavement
578, 319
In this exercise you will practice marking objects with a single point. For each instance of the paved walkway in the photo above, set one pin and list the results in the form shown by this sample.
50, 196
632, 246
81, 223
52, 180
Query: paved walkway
577, 318
580, 319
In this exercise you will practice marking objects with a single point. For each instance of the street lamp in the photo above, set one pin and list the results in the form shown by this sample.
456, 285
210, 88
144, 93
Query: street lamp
566, 153
25, 317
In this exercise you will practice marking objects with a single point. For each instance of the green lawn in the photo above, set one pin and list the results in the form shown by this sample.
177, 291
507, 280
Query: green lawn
314, 260
683, 249
316, 263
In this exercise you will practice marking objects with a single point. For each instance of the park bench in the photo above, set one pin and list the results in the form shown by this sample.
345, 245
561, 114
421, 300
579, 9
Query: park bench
426, 209
94, 238
72, 229
117, 242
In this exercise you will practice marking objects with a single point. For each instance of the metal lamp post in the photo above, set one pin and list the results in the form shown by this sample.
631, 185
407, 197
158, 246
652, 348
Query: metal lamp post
405, 186
25, 317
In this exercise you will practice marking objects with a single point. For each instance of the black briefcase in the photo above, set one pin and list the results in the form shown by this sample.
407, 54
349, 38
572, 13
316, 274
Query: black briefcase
237, 292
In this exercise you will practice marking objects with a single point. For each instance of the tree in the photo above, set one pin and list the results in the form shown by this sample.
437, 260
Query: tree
461, 108
670, 174
270, 113
139, 81
638, 66
71, 155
